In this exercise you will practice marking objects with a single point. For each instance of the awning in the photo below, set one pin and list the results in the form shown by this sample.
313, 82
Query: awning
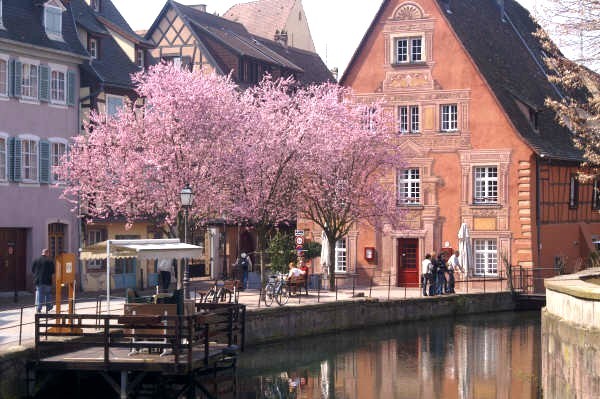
142, 250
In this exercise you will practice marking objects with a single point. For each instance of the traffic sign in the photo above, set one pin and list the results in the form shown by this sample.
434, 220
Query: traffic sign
299, 240
299, 233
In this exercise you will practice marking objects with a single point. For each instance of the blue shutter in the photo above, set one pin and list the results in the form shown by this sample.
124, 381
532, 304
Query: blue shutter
44, 161
71, 88
14, 159
17, 71
44, 83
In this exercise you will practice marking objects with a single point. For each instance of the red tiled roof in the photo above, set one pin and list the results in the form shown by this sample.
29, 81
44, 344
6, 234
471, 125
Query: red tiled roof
262, 17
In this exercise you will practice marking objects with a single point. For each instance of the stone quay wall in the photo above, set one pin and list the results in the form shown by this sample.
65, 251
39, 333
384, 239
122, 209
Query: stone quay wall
571, 336
280, 323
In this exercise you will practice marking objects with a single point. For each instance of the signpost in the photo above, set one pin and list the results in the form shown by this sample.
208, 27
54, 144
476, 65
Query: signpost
299, 241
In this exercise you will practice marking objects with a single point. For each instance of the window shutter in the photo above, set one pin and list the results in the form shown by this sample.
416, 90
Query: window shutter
44, 161
14, 159
71, 88
17, 71
11, 78
44, 83
103, 235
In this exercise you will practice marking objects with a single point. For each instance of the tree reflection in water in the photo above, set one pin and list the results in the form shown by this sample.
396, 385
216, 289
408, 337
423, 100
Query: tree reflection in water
484, 356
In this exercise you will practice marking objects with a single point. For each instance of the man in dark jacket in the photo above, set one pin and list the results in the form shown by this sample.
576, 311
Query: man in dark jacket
43, 269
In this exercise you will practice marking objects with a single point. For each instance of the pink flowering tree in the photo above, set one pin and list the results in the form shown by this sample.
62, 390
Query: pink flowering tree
351, 162
266, 158
136, 163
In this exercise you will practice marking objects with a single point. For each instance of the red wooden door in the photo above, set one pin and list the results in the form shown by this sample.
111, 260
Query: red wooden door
408, 262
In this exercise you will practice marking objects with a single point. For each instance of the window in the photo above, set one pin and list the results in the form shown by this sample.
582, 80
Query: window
486, 257
368, 119
596, 195
57, 87
139, 53
29, 160
95, 4
29, 81
113, 104
1, 26
340, 256
408, 119
93, 47
57, 151
3, 75
94, 236
573, 192
53, 22
408, 50
409, 187
449, 121
485, 185
3, 158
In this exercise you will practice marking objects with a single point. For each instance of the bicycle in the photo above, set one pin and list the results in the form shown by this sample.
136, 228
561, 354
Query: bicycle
276, 288
218, 293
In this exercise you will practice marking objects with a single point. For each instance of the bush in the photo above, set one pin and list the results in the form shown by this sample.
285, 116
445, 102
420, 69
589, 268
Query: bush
281, 251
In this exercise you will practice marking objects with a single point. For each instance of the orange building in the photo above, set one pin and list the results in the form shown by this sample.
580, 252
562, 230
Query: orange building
466, 83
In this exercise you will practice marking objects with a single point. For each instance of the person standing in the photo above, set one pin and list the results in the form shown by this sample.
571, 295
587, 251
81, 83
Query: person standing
165, 267
426, 267
453, 266
43, 269
244, 264
440, 267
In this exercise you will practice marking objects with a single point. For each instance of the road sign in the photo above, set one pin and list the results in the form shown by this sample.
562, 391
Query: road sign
299, 240
299, 233
298, 247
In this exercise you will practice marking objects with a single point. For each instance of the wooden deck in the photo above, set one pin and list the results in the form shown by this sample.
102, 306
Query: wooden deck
142, 340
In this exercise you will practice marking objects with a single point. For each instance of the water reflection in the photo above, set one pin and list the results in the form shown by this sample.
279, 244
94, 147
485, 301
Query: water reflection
495, 356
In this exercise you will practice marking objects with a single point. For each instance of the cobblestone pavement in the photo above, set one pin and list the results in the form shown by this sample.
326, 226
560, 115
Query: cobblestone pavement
17, 318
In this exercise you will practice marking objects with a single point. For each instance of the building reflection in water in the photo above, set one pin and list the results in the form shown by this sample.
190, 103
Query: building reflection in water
480, 357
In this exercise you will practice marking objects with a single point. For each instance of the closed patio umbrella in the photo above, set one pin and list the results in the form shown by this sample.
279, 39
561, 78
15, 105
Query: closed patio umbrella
324, 253
464, 247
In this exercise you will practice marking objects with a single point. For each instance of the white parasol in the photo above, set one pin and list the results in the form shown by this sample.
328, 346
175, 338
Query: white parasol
464, 247
324, 253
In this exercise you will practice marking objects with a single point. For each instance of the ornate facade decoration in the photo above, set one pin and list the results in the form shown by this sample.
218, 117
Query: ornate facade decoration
407, 12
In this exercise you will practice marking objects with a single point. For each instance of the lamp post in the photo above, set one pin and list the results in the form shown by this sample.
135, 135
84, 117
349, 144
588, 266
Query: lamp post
187, 198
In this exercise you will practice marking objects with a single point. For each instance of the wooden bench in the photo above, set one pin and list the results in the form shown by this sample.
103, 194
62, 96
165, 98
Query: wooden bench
298, 283
148, 325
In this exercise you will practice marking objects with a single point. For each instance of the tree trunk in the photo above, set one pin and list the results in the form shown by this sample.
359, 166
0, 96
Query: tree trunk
261, 235
331, 264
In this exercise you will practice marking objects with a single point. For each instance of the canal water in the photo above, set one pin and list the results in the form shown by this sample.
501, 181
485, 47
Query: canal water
483, 356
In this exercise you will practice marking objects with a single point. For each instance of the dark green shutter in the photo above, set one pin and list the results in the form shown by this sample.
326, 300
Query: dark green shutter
44, 161
11, 78
71, 88
17, 71
44, 83
14, 159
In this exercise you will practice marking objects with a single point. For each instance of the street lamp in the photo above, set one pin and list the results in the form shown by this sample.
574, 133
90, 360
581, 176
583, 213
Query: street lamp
187, 198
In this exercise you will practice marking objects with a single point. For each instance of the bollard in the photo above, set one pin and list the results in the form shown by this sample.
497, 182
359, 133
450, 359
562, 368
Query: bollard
353, 285
389, 284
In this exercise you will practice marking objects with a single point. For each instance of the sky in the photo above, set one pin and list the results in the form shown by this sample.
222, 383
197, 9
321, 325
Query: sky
337, 26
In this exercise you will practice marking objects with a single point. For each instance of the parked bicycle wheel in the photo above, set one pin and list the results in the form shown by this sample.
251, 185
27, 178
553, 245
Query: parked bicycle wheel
283, 295
269, 294
210, 296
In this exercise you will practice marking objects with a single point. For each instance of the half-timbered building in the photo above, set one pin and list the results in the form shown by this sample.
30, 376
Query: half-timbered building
467, 84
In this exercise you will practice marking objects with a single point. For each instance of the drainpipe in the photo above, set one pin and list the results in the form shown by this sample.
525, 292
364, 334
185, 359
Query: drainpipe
537, 205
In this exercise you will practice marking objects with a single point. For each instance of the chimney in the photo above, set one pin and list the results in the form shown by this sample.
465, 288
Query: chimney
199, 7
502, 10
281, 37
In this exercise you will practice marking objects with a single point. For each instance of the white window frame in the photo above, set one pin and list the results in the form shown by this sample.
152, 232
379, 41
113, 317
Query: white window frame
410, 49
486, 184
32, 157
140, 57
55, 143
449, 117
58, 69
485, 254
110, 97
341, 256
32, 88
409, 186
93, 49
53, 34
409, 119
4, 152
94, 236
6, 77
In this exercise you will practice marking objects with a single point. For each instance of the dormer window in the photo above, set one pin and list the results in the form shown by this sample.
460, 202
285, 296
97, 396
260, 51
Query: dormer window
93, 47
1, 25
533, 118
53, 19
95, 4
139, 58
